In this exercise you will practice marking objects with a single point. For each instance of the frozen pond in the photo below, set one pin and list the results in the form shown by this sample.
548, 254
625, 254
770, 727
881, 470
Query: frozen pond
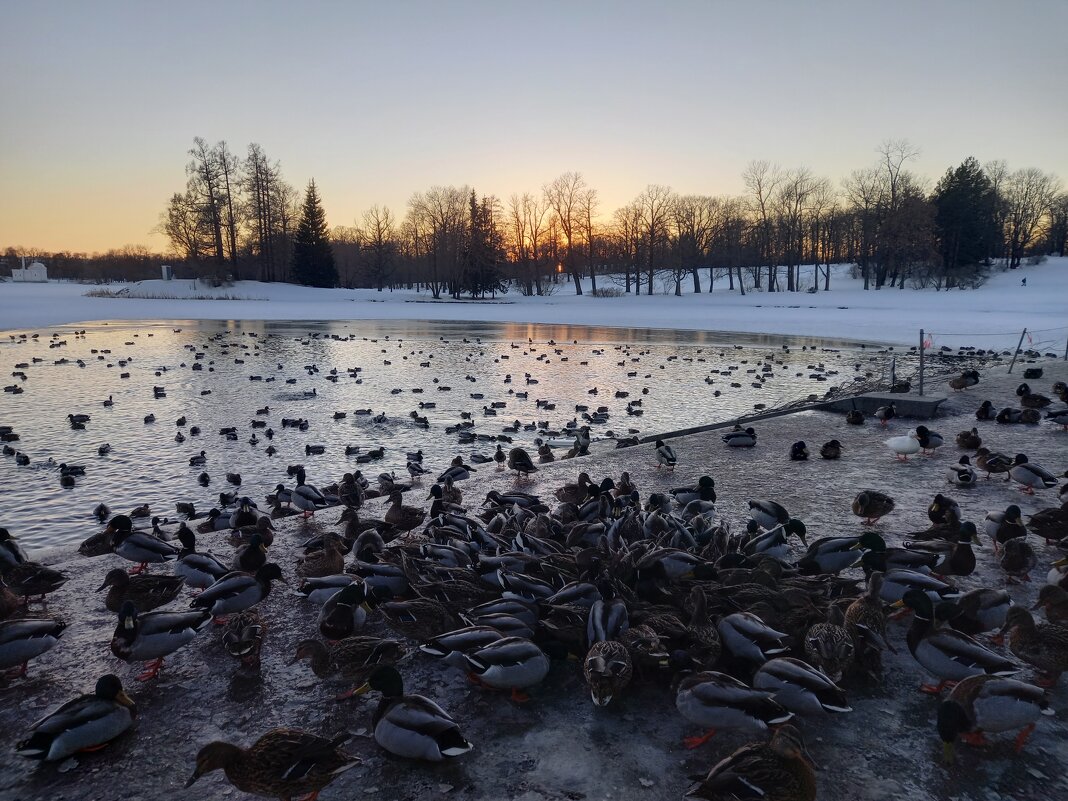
219, 374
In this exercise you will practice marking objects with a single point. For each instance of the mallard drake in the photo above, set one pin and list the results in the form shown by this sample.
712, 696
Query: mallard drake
799, 452
85, 723
457, 471
746, 438
199, 570
775, 541
748, 637
319, 590
1030, 475
252, 556
354, 658
404, 518
896, 583
237, 591
520, 461
947, 654
962, 474
243, 639
509, 663
27, 638
146, 592
717, 701
11, 553
1004, 526
1054, 600
768, 514
1059, 417
1018, 559
800, 687
451, 646
980, 610
992, 462
777, 771
608, 670
344, 613
986, 411
884, 414
703, 490
984, 703
829, 647
138, 546
968, 378
283, 763
831, 450
835, 554
904, 447
929, 440
151, 637
1009, 416
1044, 646
871, 505
1031, 400
412, 726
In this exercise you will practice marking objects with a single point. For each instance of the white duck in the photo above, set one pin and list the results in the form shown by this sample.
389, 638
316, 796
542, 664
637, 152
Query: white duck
904, 446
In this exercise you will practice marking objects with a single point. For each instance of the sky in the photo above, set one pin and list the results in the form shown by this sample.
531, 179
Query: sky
376, 101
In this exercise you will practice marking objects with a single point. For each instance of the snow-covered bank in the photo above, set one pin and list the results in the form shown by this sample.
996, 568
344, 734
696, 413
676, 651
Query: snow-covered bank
991, 316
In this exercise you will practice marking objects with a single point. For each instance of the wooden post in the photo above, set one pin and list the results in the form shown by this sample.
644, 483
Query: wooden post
1014, 354
1066, 350
921, 362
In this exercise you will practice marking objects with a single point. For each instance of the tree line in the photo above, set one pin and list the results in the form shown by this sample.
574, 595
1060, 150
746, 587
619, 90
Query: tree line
239, 218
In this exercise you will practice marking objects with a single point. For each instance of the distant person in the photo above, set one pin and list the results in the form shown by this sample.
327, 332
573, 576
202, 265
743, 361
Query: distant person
1023, 282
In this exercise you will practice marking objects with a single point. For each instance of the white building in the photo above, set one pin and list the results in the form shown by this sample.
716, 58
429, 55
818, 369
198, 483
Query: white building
35, 273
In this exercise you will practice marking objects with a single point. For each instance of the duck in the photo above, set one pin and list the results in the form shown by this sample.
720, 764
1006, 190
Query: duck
1031, 400
749, 638
412, 726
353, 658
854, 417
1030, 475
741, 438
779, 770
403, 518
829, 646
954, 558
897, 583
835, 554
1050, 524
872, 505
1054, 601
607, 669
703, 490
768, 513
198, 460
283, 763
799, 687
451, 646
1009, 416
85, 723
991, 462
979, 610
969, 440
508, 663
243, 640
799, 452
27, 638
153, 636
520, 461
929, 440
326, 561
1059, 417
904, 447
774, 542
665, 456
986, 411
831, 450
716, 701
138, 546
420, 619
985, 703
1043, 646
252, 556
145, 592
237, 591
199, 570
345, 612
865, 620
32, 579
11, 552
457, 471
884, 414
968, 378
1018, 559
947, 654
962, 474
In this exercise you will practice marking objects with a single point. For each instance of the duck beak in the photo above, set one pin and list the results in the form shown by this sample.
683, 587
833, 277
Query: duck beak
128, 623
193, 778
124, 699
102, 586
898, 604
366, 688
1061, 562
949, 754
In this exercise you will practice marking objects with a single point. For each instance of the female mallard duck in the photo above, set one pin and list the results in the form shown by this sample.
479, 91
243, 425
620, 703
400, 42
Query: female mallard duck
1031, 400
945, 653
1031, 476
831, 450
344, 613
748, 637
152, 637
968, 378
969, 440
520, 461
146, 592
855, 417
1060, 389
962, 474
986, 411
420, 619
25, 639
243, 640
703, 490
929, 440
829, 647
9, 602
354, 658
237, 591
904, 447
1054, 601
740, 438
800, 687
872, 505
981, 704
980, 610
717, 701
138, 546
403, 518
327, 561
865, 620
85, 723
412, 726
199, 570
511, 663
780, 770
1044, 646
31, 579
1018, 559
608, 670
992, 462
283, 763
578, 492
799, 452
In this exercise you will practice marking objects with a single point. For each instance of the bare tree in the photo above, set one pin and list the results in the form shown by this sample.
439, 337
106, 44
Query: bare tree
762, 179
693, 219
587, 213
564, 195
378, 241
655, 205
1028, 197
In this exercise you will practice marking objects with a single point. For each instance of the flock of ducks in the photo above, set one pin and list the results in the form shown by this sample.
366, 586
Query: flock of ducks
752, 634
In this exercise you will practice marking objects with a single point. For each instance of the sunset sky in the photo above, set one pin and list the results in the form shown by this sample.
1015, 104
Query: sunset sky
101, 100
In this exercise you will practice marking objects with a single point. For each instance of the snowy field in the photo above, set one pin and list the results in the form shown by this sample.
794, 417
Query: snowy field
991, 316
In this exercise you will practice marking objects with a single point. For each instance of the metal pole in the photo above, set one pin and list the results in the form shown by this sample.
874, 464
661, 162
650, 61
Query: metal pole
921, 362
1018, 344
1066, 350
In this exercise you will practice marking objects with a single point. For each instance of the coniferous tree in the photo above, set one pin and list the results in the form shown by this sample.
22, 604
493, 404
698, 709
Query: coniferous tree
965, 205
313, 258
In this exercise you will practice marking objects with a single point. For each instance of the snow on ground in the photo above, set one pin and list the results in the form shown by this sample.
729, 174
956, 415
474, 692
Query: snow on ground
991, 316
